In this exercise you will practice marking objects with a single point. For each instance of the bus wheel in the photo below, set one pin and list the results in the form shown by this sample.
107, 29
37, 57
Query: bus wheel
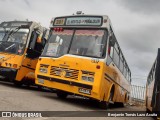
103, 104
119, 104
17, 83
62, 94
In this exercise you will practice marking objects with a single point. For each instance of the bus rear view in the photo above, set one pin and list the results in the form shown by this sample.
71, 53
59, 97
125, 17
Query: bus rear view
74, 59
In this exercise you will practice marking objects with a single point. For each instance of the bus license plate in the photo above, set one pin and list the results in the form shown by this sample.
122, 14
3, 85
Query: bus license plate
41, 81
85, 91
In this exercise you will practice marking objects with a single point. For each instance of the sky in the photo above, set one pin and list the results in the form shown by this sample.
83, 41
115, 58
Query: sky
136, 24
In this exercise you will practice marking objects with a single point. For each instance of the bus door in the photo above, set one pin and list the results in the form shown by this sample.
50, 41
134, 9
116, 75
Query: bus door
30, 60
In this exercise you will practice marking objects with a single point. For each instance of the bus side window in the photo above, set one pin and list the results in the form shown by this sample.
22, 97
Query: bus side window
125, 70
33, 39
130, 80
121, 62
116, 55
34, 47
110, 48
112, 41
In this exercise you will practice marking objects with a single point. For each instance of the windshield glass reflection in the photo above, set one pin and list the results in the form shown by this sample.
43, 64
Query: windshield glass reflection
15, 42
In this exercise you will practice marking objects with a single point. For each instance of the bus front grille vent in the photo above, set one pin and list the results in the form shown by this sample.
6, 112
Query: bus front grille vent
64, 72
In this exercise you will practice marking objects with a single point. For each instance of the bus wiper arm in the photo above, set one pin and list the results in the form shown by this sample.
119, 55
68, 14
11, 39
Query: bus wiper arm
10, 32
10, 46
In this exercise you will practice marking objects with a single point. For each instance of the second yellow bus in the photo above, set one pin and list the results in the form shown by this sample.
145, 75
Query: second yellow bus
83, 57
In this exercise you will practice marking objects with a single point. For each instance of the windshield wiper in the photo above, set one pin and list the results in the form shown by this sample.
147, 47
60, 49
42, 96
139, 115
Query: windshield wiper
13, 31
5, 33
10, 46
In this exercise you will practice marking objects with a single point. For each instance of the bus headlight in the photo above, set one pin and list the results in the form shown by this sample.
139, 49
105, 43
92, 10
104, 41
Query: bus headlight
43, 70
90, 79
87, 78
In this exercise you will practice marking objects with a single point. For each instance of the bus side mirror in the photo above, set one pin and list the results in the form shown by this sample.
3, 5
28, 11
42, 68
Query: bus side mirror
33, 40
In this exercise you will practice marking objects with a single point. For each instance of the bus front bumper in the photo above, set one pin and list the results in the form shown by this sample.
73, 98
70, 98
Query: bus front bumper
72, 87
9, 73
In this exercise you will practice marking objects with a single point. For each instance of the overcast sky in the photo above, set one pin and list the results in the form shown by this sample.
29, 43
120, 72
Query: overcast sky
136, 24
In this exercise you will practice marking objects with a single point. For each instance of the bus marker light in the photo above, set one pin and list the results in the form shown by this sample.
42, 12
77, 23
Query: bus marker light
105, 20
10, 64
61, 29
58, 29
14, 65
7, 64
98, 66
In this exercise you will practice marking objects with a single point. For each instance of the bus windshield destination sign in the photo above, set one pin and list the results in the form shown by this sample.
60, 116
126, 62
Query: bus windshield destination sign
84, 21
59, 21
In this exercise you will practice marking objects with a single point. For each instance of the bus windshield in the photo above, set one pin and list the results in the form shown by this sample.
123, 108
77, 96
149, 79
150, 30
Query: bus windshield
2, 33
89, 43
15, 42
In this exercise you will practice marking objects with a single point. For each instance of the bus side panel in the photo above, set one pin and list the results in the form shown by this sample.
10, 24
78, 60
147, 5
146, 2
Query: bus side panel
108, 81
148, 100
27, 70
155, 98
114, 77
150, 93
11, 59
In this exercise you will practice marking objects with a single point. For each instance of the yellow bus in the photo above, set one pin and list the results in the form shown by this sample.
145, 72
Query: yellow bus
153, 87
83, 57
21, 43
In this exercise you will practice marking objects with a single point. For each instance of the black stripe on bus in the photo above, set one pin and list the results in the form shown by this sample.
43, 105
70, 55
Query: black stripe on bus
109, 77
106, 75
28, 67
65, 82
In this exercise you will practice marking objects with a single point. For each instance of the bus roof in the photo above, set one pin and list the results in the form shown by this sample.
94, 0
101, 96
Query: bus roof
10, 24
80, 21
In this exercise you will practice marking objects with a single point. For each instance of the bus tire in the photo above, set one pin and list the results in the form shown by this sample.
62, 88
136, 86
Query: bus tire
17, 83
104, 104
119, 104
39, 87
126, 98
61, 94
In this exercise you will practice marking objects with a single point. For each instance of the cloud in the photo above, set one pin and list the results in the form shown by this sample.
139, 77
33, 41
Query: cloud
136, 23
27, 3
149, 7
140, 46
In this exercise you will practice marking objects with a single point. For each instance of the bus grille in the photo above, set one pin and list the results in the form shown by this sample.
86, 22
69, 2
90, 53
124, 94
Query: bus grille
65, 72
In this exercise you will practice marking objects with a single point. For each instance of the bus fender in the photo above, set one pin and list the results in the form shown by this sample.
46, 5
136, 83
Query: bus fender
111, 89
